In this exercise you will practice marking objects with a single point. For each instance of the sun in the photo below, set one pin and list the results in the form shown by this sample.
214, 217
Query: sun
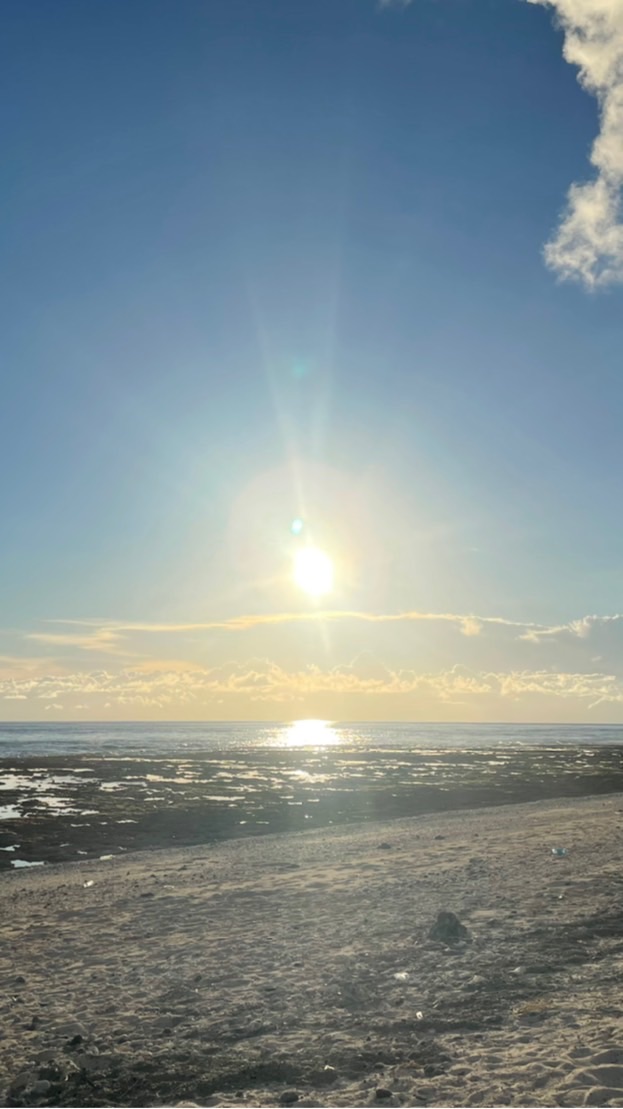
313, 571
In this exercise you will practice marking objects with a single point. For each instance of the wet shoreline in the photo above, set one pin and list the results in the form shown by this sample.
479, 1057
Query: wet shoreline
63, 808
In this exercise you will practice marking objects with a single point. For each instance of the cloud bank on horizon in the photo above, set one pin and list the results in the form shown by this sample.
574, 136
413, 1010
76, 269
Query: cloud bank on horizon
466, 666
588, 244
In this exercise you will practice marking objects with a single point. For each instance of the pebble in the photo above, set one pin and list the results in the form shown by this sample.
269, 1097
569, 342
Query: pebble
21, 1081
448, 928
71, 1028
288, 1097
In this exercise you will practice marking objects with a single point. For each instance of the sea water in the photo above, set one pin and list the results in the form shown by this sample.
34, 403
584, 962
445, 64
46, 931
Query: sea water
153, 739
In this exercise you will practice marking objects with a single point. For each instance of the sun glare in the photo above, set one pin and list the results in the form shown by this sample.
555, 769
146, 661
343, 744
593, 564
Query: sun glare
311, 733
313, 571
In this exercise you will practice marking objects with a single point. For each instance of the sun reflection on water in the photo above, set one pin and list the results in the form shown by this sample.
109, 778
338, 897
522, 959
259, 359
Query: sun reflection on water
310, 733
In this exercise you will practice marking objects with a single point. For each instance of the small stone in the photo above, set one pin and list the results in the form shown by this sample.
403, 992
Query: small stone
448, 928
42, 1058
42, 1086
20, 980
385, 846
288, 1097
383, 1092
21, 1081
71, 1028
477, 980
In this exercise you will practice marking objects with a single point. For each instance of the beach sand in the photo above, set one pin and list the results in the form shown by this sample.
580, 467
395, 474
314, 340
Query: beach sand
297, 968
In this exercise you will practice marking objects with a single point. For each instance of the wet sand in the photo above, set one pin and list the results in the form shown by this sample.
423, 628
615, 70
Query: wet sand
63, 808
298, 969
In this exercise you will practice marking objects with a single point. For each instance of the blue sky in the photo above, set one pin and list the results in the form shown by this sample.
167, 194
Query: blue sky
274, 259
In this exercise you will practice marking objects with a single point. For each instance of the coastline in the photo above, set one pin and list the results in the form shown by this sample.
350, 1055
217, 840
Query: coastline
59, 808
249, 971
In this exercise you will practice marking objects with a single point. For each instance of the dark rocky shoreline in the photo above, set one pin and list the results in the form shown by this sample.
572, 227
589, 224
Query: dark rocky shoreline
81, 807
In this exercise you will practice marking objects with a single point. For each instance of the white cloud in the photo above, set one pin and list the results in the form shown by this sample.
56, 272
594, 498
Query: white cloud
262, 680
588, 245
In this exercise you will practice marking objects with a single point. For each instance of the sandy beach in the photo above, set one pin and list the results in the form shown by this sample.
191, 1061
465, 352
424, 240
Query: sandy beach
298, 968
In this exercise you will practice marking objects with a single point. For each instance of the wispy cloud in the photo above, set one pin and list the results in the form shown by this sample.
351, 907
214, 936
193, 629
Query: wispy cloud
588, 245
576, 629
109, 636
104, 639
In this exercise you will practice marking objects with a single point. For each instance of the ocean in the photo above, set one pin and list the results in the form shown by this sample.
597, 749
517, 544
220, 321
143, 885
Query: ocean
164, 739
